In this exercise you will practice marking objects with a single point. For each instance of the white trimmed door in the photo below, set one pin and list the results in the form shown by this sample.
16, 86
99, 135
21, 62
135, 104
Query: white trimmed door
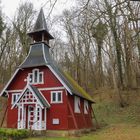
21, 117
31, 117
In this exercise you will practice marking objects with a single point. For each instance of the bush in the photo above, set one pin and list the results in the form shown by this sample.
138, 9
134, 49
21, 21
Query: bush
13, 134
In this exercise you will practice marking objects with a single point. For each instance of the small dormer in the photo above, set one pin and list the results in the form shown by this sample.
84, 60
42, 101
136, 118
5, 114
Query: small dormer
40, 31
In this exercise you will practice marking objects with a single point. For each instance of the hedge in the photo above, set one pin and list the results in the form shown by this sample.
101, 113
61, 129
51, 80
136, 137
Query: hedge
13, 134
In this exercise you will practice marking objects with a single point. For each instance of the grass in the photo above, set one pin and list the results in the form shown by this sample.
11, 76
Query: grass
116, 123
113, 132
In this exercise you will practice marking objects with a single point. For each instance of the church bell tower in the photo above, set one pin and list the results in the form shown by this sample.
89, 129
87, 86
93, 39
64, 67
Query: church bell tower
40, 31
39, 50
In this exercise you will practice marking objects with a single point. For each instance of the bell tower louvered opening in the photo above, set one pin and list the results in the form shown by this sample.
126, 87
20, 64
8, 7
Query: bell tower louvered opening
40, 31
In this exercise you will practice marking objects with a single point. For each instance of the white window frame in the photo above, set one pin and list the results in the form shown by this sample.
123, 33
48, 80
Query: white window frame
56, 92
86, 107
55, 121
38, 77
13, 95
77, 104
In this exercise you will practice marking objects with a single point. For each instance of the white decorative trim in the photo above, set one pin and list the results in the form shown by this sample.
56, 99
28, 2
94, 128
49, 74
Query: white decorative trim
56, 93
32, 81
28, 87
45, 117
9, 82
19, 97
57, 76
53, 71
44, 98
40, 89
52, 88
35, 95
18, 90
44, 53
26, 56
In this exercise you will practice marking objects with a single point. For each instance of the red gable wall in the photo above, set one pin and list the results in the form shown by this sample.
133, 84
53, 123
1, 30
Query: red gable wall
19, 81
82, 120
60, 110
56, 110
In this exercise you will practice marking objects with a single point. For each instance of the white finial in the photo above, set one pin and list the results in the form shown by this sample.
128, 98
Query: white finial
27, 80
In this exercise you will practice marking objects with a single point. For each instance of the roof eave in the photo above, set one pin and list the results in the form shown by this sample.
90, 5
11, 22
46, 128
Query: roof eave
40, 30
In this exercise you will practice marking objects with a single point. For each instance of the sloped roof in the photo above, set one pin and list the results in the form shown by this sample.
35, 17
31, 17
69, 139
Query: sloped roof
71, 83
39, 56
40, 97
77, 87
36, 56
36, 92
40, 25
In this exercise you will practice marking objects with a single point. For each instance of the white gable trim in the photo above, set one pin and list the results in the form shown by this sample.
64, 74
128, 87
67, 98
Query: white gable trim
35, 96
44, 98
57, 76
44, 53
28, 87
19, 97
9, 82
18, 90
26, 56
53, 71
52, 88
40, 89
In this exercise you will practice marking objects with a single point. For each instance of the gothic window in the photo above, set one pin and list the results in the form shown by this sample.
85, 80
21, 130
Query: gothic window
56, 97
36, 77
77, 104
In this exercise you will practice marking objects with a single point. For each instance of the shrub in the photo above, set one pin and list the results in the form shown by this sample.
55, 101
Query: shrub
13, 134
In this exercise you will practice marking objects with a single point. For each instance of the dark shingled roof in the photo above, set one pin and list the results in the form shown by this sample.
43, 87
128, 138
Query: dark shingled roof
39, 56
36, 56
40, 97
41, 26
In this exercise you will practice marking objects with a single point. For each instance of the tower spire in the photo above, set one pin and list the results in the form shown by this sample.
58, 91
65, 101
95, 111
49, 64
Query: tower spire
40, 31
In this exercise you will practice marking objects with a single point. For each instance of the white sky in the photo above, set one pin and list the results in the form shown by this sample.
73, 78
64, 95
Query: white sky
9, 6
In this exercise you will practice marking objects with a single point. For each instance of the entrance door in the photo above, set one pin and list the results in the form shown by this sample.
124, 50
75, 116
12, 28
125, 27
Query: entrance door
31, 117
21, 117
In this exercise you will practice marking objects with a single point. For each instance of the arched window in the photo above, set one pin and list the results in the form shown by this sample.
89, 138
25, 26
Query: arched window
36, 77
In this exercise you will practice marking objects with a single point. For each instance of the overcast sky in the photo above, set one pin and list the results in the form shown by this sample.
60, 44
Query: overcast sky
10, 6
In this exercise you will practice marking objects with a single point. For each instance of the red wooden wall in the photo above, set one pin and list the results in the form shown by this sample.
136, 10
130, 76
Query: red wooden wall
83, 120
60, 111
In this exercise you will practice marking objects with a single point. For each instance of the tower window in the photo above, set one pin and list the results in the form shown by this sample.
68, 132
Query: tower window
36, 77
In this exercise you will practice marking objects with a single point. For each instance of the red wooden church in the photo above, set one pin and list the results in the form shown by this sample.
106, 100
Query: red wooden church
40, 95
